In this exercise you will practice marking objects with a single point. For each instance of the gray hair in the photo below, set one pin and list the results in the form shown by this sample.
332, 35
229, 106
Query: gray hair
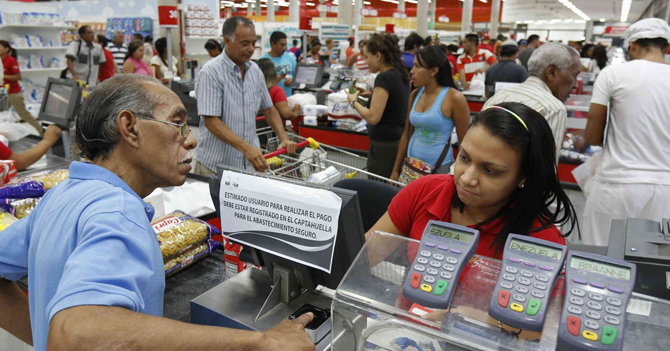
230, 26
560, 55
97, 129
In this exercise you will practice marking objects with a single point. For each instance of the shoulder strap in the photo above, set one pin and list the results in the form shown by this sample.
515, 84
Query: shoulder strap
443, 155
79, 49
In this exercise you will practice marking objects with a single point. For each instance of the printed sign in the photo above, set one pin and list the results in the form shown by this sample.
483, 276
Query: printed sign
291, 221
168, 16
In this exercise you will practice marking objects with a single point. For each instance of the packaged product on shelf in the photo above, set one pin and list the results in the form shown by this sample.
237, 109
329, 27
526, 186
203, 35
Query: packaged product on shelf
189, 257
22, 189
19, 208
7, 171
6, 220
49, 178
178, 232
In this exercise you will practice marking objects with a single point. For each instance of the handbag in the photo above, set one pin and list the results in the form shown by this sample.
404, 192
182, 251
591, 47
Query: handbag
414, 168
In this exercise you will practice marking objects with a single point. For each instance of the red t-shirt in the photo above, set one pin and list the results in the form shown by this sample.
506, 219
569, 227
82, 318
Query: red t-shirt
278, 95
454, 64
107, 68
5, 152
11, 68
430, 197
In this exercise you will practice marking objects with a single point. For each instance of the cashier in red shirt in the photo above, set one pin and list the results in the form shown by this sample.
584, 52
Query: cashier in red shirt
504, 182
27, 158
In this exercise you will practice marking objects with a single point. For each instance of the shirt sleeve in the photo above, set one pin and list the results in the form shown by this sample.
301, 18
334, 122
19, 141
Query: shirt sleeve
459, 64
72, 50
602, 89
5, 152
557, 120
383, 81
401, 209
14, 67
14, 245
490, 58
209, 94
155, 61
110, 266
278, 95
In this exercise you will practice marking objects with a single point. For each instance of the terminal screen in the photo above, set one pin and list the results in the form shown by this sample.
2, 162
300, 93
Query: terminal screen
600, 268
536, 249
451, 234
58, 100
306, 75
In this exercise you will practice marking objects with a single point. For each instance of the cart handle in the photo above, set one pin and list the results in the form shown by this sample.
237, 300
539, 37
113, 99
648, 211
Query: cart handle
260, 118
311, 142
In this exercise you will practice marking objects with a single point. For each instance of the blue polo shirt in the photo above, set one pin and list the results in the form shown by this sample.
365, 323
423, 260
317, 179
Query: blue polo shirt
88, 242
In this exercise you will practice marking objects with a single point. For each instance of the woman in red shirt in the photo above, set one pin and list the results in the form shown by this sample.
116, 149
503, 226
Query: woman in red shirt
279, 99
12, 77
504, 182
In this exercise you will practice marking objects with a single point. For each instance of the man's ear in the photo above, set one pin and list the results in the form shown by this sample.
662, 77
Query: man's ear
551, 72
128, 128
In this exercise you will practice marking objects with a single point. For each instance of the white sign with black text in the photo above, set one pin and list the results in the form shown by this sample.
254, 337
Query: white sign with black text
295, 222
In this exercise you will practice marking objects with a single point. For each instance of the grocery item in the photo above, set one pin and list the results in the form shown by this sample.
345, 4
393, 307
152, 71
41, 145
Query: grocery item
7, 171
50, 178
179, 232
22, 189
187, 258
20, 208
6, 220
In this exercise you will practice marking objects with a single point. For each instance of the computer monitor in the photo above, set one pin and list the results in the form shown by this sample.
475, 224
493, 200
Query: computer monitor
62, 98
309, 74
350, 237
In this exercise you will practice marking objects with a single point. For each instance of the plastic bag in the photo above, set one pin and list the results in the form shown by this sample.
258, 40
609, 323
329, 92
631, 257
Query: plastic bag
20, 208
49, 179
15, 131
302, 99
186, 259
6, 220
22, 189
178, 232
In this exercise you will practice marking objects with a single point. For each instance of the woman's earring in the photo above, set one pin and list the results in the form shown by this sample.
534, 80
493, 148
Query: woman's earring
521, 186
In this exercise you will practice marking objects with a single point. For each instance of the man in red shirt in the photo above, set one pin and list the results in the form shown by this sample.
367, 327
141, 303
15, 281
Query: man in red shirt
473, 60
25, 159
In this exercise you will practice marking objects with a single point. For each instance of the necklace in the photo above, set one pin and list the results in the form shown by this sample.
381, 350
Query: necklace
470, 217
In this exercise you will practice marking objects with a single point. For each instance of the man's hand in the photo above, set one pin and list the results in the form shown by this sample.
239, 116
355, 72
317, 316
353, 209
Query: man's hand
287, 81
255, 156
52, 134
290, 146
289, 335
297, 109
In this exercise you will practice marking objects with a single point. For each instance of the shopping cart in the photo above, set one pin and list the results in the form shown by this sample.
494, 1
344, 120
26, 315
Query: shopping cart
314, 162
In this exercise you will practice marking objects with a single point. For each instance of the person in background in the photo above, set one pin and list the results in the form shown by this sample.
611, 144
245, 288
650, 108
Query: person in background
486, 44
149, 51
350, 50
284, 62
533, 43
413, 42
230, 91
357, 60
279, 99
313, 56
434, 110
135, 60
452, 50
332, 55
598, 60
504, 182
633, 177
298, 54
12, 76
138, 37
523, 44
118, 50
506, 70
428, 41
295, 47
473, 61
386, 114
109, 68
213, 48
553, 71
27, 158
84, 58
159, 63
587, 50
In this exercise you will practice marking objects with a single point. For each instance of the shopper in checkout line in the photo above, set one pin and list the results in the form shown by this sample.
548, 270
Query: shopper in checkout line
504, 182
388, 102
632, 179
284, 62
12, 75
413, 43
84, 58
357, 60
553, 72
135, 60
473, 61
117, 49
532, 43
96, 275
506, 70
109, 68
279, 99
159, 63
435, 108
213, 48
230, 90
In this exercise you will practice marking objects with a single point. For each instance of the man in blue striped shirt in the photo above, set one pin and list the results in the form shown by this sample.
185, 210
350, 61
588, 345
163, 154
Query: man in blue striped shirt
230, 91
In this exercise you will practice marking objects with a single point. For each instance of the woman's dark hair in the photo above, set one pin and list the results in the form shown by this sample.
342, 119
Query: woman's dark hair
103, 40
148, 39
212, 44
585, 50
161, 48
600, 55
413, 41
269, 71
537, 151
433, 56
387, 46
453, 48
12, 51
132, 47
428, 41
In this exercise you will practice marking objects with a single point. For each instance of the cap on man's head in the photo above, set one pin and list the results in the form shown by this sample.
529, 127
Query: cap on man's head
509, 42
648, 28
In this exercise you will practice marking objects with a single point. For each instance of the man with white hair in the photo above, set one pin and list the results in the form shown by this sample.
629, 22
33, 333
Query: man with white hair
633, 177
552, 70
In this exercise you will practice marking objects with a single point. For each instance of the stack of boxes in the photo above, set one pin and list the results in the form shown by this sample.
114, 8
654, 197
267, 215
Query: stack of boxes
200, 21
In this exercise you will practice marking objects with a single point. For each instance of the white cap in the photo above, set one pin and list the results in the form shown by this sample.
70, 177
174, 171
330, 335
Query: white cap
510, 42
648, 28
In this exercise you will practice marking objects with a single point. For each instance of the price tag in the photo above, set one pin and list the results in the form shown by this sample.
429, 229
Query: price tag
168, 16
639, 307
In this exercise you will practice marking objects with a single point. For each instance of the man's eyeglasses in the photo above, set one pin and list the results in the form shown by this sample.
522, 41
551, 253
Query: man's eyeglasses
184, 129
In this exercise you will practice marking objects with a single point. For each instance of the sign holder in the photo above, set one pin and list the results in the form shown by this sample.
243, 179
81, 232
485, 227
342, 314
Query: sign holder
168, 18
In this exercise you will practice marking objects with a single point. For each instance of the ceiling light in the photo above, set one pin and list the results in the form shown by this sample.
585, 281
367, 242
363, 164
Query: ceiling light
367, 3
577, 11
518, 22
602, 20
625, 9
531, 21
310, 4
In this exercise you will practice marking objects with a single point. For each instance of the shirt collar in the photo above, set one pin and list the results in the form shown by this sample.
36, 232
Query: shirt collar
89, 171
230, 64
539, 83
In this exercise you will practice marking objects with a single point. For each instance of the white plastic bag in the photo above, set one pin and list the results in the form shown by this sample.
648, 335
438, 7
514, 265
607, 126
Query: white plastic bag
15, 131
584, 172
302, 99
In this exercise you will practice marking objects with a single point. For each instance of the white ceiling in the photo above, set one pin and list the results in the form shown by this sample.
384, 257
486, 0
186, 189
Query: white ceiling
610, 10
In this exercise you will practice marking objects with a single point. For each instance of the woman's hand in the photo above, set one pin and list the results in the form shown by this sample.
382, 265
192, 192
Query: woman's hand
395, 175
352, 97
297, 109
364, 92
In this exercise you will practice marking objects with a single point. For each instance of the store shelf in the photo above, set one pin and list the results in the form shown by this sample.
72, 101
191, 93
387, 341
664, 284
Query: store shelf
2, 26
42, 48
48, 69
203, 38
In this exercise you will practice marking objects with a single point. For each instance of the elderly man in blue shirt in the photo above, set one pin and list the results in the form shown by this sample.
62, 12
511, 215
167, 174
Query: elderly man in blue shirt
95, 271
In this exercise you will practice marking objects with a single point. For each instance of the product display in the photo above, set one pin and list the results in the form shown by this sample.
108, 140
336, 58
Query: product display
200, 21
178, 232
30, 18
129, 26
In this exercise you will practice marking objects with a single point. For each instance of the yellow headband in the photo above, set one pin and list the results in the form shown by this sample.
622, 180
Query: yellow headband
512, 113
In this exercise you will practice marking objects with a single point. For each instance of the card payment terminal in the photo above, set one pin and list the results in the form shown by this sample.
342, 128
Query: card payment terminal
530, 268
444, 250
597, 292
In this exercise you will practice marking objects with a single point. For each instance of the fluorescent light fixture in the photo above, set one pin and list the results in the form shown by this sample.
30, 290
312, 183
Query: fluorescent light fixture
367, 3
391, 1
625, 9
530, 21
602, 20
518, 22
576, 10
484, 1
310, 4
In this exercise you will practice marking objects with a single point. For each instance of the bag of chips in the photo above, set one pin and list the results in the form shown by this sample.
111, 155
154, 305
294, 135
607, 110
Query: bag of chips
6, 220
20, 208
178, 232
34, 185
189, 257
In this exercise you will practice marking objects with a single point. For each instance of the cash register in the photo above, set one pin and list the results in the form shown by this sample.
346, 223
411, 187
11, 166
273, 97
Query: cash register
309, 78
61, 102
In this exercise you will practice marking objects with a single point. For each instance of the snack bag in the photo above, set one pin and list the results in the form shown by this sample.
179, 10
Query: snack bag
50, 178
7, 171
6, 220
186, 259
179, 232
22, 189
20, 208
